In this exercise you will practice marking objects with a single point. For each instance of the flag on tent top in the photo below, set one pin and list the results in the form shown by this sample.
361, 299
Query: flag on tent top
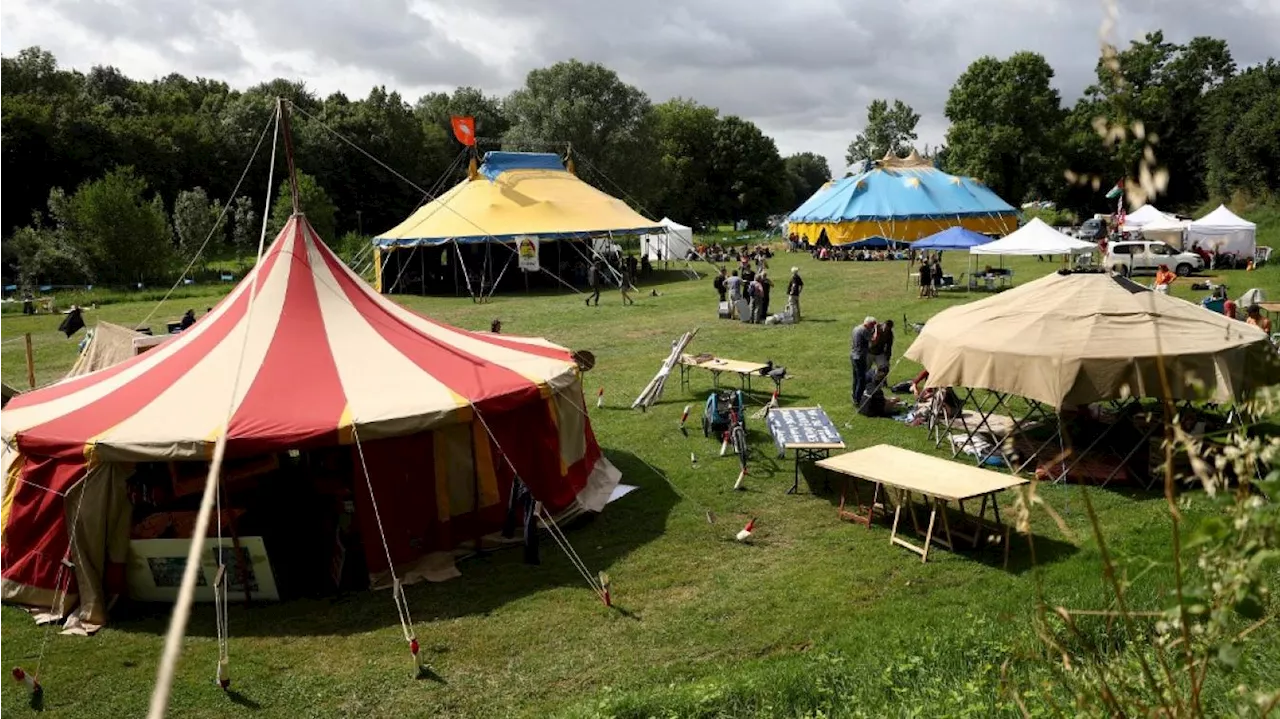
1116, 191
464, 128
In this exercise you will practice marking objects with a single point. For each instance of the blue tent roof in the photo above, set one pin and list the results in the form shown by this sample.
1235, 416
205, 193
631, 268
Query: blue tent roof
952, 238
875, 243
497, 162
900, 193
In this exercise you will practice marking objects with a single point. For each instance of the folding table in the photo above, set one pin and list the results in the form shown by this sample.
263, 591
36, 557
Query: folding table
903, 473
716, 366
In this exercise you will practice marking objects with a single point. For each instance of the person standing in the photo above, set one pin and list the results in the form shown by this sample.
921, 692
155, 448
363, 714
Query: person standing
926, 277
593, 281
624, 286
936, 271
766, 285
793, 294
881, 347
859, 351
719, 284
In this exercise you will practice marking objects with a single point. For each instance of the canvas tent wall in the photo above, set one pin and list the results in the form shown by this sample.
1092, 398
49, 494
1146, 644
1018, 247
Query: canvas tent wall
1170, 231
1073, 339
675, 244
109, 345
472, 228
900, 199
1225, 232
444, 419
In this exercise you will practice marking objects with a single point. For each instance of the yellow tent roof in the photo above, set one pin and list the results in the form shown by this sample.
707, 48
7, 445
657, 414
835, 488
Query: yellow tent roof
517, 194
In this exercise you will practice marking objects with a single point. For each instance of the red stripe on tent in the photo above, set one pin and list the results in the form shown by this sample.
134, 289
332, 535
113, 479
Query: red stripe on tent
488, 385
36, 538
296, 396
497, 340
68, 434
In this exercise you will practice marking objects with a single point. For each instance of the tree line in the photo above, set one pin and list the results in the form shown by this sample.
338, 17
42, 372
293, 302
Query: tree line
167, 153
123, 179
1214, 127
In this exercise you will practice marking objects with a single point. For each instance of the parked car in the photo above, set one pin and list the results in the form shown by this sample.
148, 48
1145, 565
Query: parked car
1092, 230
1130, 258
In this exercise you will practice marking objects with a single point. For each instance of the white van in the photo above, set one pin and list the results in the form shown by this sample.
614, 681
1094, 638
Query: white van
1128, 258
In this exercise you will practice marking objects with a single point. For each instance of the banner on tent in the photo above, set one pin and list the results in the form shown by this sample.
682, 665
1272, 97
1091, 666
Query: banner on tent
527, 249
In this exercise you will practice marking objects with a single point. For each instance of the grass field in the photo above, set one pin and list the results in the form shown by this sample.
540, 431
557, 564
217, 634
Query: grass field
814, 618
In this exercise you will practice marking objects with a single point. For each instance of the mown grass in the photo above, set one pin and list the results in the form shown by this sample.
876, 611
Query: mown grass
814, 617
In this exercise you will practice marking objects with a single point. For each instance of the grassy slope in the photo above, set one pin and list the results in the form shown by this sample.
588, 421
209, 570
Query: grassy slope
815, 612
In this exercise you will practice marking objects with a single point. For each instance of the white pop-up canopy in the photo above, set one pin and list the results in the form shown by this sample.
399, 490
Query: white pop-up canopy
1169, 230
1034, 238
674, 244
1143, 216
1223, 231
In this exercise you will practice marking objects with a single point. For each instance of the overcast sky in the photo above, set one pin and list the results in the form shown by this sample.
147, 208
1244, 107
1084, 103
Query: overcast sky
804, 70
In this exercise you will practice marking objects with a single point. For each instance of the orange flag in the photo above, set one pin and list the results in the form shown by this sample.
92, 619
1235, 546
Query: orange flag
464, 128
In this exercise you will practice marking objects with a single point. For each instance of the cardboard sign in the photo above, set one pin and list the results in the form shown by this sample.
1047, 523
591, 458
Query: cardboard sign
803, 427
527, 250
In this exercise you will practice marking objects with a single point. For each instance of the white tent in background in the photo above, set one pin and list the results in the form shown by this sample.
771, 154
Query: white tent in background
1170, 231
1143, 216
1034, 238
674, 245
1222, 230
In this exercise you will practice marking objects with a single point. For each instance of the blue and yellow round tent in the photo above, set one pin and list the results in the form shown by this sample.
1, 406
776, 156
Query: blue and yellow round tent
512, 196
900, 199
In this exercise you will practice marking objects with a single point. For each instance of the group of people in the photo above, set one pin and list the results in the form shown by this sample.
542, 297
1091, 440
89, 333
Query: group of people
930, 274
624, 275
756, 288
717, 253
870, 349
843, 254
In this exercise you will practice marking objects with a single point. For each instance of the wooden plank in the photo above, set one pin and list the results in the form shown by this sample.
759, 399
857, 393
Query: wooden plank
31, 362
920, 473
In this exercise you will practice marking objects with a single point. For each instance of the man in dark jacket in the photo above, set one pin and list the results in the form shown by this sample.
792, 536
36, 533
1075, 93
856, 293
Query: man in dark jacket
793, 294
859, 351
882, 344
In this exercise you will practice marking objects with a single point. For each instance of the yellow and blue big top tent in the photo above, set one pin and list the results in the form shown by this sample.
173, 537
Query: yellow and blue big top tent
514, 195
900, 199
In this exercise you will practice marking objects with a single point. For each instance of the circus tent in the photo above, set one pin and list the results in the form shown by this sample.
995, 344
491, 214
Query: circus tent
900, 199
303, 355
510, 196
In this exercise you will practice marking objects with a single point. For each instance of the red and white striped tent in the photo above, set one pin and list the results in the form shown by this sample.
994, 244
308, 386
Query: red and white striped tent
303, 354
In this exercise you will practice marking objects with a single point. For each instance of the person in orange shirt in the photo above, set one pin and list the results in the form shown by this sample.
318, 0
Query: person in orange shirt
1164, 278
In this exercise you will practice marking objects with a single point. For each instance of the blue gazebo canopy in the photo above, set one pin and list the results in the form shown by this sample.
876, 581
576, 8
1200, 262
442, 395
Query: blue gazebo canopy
952, 238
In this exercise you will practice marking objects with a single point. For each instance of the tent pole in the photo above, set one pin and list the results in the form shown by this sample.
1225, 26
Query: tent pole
422, 272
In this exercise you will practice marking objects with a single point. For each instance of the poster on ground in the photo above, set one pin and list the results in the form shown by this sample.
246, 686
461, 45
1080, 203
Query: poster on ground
527, 250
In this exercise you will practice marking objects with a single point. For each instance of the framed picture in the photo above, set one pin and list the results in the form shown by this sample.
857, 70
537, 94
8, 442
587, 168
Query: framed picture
156, 567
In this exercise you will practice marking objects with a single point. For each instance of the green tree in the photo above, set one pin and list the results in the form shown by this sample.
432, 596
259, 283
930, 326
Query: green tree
124, 236
1243, 132
1006, 121
686, 133
42, 254
245, 226
585, 106
1163, 86
752, 174
313, 201
888, 129
195, 218
807, 172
